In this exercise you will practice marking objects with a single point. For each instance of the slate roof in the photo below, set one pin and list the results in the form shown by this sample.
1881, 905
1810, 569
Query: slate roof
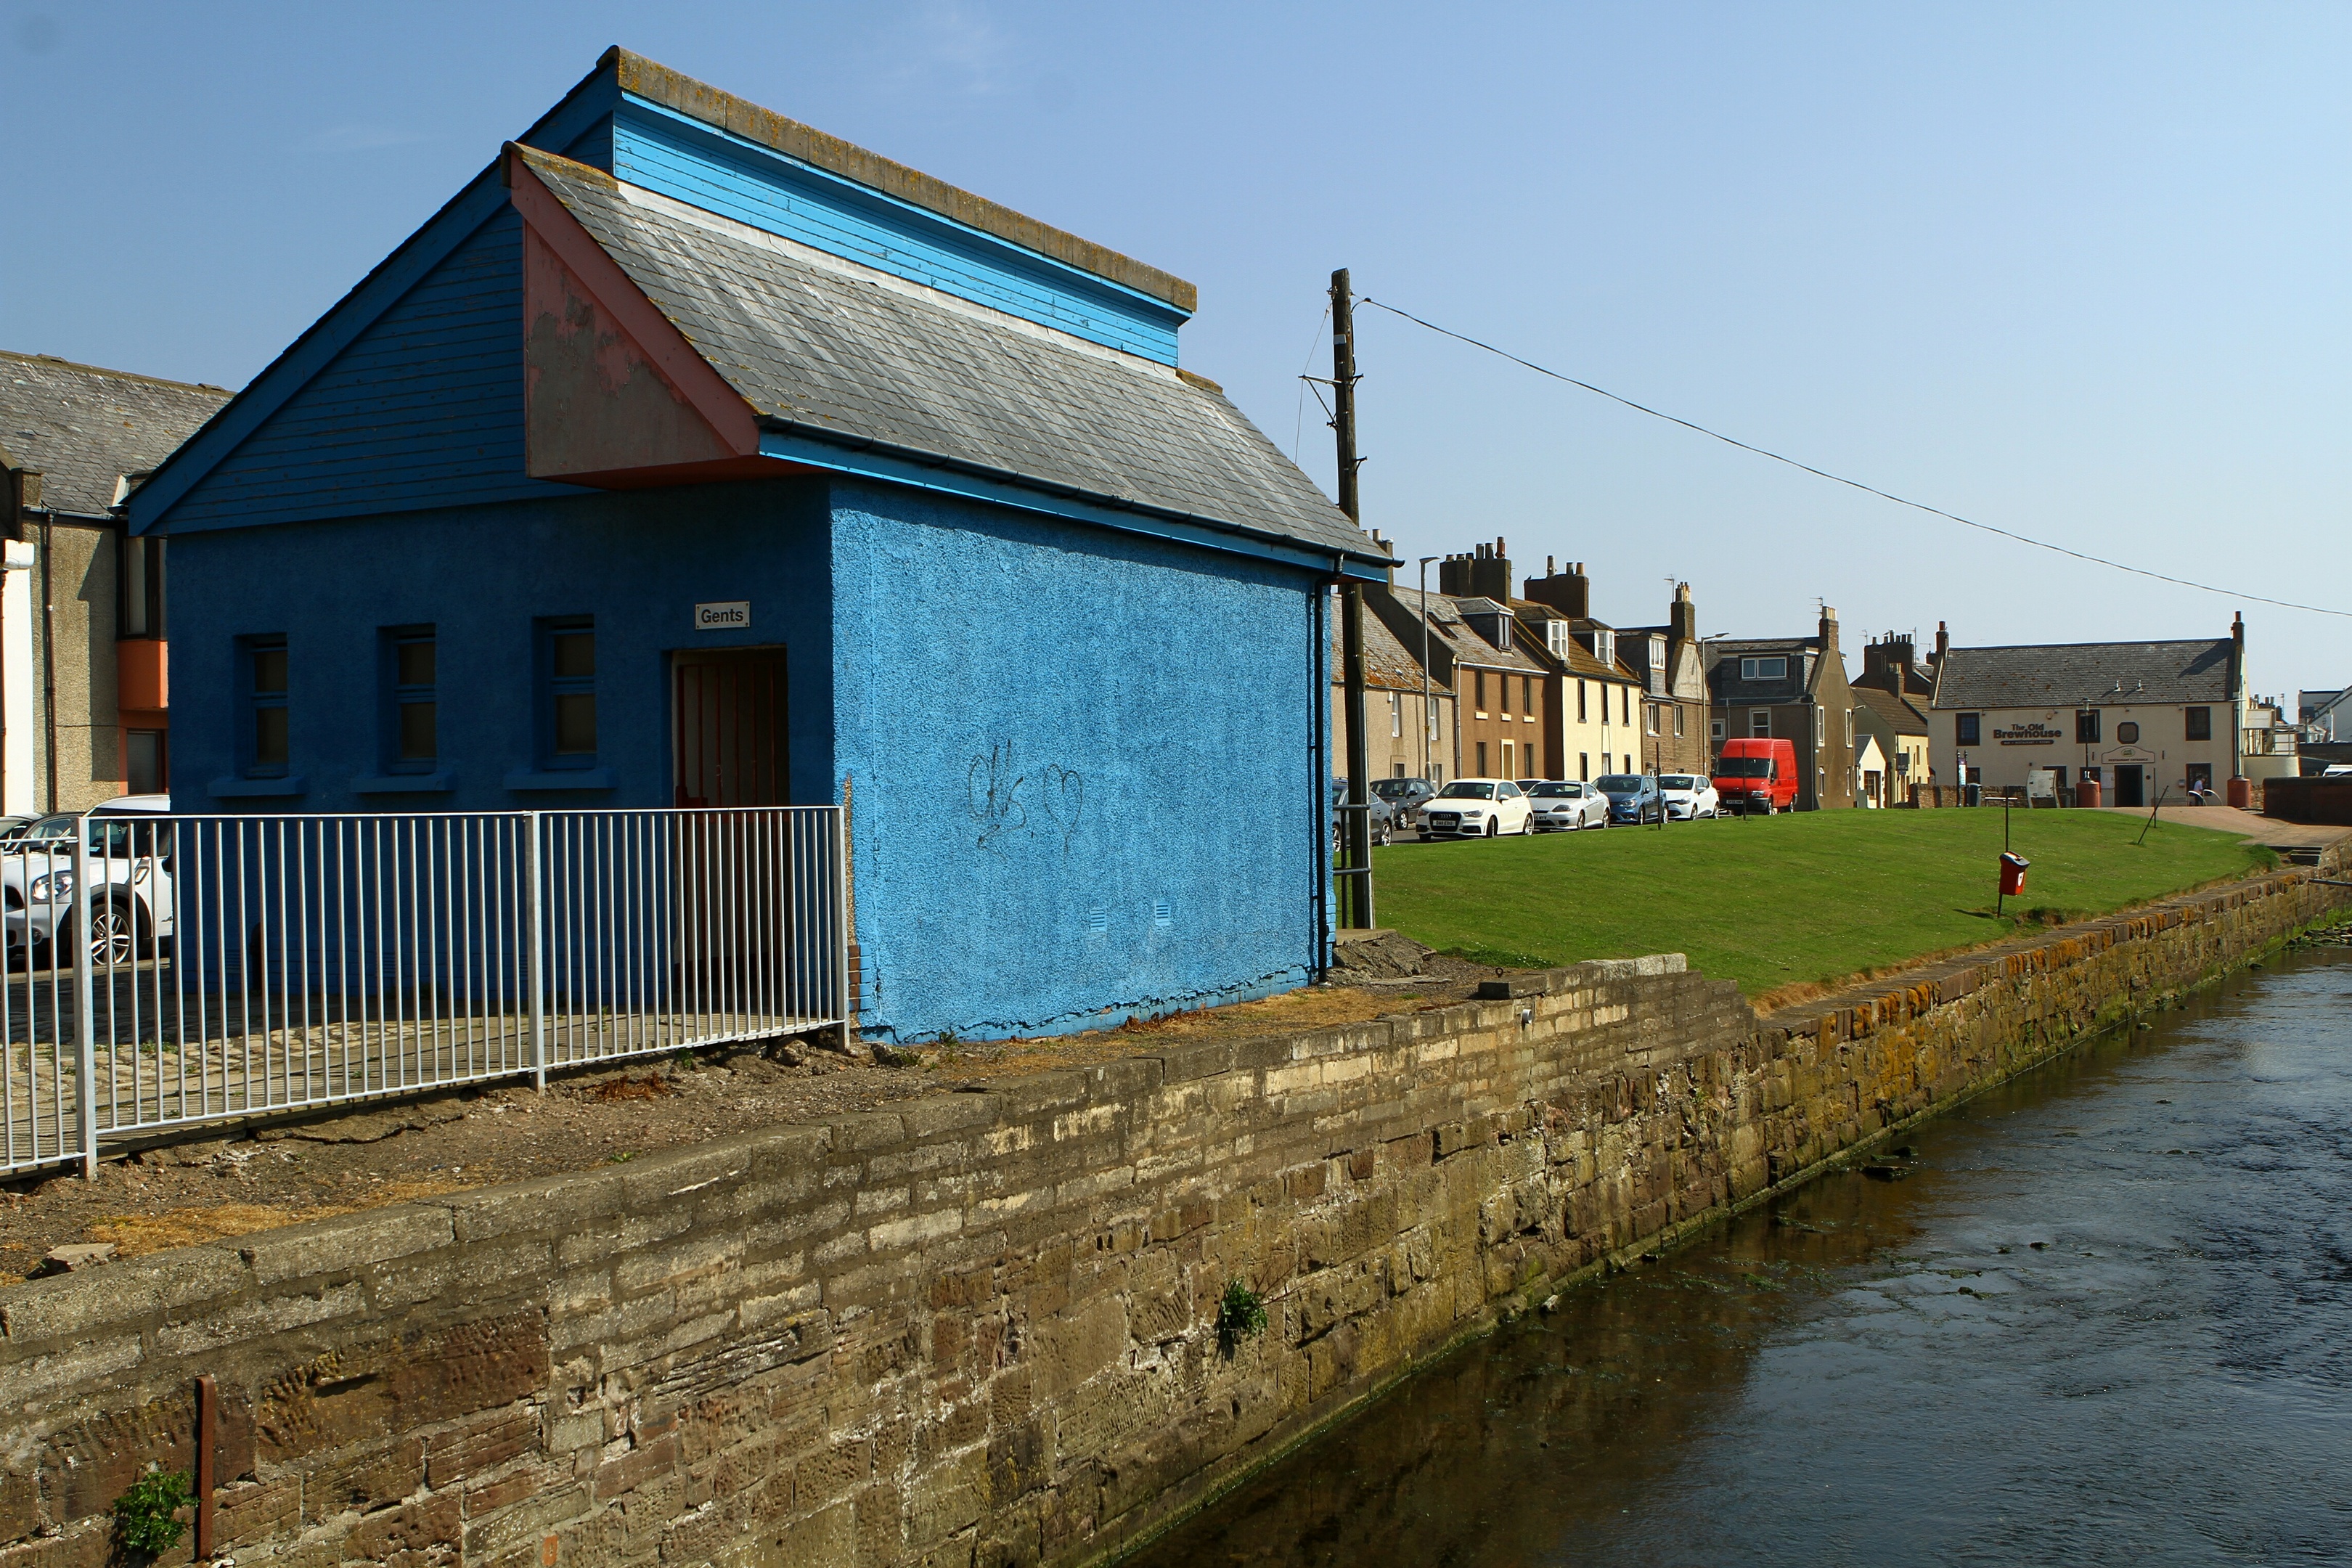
826, 348
2063, 675
1724, 679
1388, 663
1898, 713
84, 428
1445, 613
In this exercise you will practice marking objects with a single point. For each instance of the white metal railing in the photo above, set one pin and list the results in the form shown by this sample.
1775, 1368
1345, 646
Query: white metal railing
169, 971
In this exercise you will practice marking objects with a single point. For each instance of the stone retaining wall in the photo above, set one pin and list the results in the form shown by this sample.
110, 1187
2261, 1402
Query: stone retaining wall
979, 1328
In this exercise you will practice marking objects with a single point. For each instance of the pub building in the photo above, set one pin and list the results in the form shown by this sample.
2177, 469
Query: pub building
2137, 717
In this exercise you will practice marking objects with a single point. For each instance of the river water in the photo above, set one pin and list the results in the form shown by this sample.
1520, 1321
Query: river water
2107, 1318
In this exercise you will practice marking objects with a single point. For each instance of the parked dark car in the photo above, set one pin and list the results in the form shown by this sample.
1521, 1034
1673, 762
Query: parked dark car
1404, 797
1633, 797
1383, 817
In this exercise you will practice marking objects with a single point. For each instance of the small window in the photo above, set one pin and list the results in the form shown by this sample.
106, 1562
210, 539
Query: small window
1482, 762
2086, 726
1396, 717
147, 763
2127, 733
1650, 717
569, 658
1967, 728
1604, 647
1763, 670
1715, 732
411, 699
1528, 696
1849, 726
2200, 723
264, 679
1678, 721
140, 611
1760, 723
1580, 702
1625, 706
1478, 691
1584, 765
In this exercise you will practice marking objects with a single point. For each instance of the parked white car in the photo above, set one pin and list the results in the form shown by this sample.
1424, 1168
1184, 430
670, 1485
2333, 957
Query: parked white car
1476, 809
1561, 805
1689, 796
128, 901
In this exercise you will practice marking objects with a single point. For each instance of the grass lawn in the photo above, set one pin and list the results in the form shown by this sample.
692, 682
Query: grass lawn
1773, 902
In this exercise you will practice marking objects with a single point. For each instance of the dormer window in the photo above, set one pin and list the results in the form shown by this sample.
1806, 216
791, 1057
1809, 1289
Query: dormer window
1556, 638
1763, 670
1604, 646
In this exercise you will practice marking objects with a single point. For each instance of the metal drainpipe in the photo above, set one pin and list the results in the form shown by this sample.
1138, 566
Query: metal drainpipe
50, 653
1320, 723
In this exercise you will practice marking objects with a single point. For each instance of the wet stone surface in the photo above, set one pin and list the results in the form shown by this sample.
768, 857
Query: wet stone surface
2103, 1314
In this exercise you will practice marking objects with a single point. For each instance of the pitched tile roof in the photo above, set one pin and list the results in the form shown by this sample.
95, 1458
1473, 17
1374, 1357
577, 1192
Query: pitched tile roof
2063, 675
84, 428
1446, 613
842, 353
1388, 663
1898, 713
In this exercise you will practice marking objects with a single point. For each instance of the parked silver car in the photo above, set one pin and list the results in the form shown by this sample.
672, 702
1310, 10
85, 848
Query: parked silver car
126, 909
1563, 805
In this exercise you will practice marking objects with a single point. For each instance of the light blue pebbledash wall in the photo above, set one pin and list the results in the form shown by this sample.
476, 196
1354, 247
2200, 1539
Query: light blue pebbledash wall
1077, 760
1078, 766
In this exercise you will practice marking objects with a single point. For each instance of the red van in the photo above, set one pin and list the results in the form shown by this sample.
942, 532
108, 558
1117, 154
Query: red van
1756, 775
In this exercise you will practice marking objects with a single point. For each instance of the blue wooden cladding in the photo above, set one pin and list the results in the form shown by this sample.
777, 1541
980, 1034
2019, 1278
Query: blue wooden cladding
663, 151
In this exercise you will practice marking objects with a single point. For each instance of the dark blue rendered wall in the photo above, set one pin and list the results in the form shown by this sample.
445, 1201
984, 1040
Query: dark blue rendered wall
1056, 739
423, 409
639, 563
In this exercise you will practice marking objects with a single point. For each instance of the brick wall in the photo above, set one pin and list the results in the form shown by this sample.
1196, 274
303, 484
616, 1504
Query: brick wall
978, 1327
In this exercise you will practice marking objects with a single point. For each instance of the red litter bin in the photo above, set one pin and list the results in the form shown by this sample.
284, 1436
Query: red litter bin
2013, 874
2241, 793
2087, 792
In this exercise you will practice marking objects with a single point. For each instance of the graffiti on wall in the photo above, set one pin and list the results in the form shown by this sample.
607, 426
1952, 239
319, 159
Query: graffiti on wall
994, 792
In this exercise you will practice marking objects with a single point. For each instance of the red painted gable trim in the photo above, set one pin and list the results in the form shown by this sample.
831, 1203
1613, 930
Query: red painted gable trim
664, 347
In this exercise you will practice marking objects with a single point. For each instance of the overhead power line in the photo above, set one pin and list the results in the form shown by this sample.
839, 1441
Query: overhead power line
1854, 484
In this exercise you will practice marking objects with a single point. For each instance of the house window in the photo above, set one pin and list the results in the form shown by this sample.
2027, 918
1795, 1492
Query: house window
1478, 694
1760, 723
1849, 726
1508, 772
1580, 702
568, 656
2128, 732
1657, 664
2086, 725
139, 613
147, 763
1584, 765
1650, 717
1967, 728
1528, 696
1715, 732
1678, 721
262, 677
2200, 723
1820, 722
2200, 775
1763, 670
1604, 646
1398, 771
1396, 718
1482, 772
1625, 706
411, 705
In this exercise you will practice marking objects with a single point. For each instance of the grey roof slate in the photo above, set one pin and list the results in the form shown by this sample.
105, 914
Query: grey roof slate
1724, 680
84, 428
1467, 646
2064, 675
1900, 713
839, 351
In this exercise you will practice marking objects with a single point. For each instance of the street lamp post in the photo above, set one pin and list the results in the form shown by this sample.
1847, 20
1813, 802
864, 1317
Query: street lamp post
1428, 720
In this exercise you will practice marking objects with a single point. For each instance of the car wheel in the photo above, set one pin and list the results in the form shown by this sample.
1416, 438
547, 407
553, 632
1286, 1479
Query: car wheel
1387, 831
1494, 827
113, 938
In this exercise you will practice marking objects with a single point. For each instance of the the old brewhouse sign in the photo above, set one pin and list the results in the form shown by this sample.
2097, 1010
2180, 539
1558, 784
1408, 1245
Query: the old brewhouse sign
2035, 734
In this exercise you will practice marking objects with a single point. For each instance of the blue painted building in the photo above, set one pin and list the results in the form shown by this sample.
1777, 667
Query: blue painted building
688, 455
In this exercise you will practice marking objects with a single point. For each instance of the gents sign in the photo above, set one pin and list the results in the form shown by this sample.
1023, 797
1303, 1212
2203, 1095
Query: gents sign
732, 616
2035, 734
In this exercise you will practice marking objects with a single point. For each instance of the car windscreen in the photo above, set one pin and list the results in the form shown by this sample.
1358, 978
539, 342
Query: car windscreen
49, 828
1461, 790
1394, 789
1558, 791
1677, 781
1744, 768
1618, 783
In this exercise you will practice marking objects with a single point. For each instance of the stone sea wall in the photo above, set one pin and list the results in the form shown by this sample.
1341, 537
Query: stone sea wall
981, 1328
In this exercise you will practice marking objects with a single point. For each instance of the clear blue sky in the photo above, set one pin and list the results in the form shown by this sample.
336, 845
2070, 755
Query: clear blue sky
2077, 270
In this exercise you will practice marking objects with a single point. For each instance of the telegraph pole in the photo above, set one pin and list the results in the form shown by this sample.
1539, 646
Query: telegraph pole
1356, 905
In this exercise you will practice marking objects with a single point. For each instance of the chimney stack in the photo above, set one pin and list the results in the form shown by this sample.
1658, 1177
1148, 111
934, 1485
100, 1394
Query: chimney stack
1484, 574
1943, 642
1682, 616
1568, 591
1829, 632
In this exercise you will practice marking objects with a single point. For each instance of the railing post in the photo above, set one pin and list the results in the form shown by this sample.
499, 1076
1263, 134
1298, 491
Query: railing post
841, 920
536, 904
84, 1009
